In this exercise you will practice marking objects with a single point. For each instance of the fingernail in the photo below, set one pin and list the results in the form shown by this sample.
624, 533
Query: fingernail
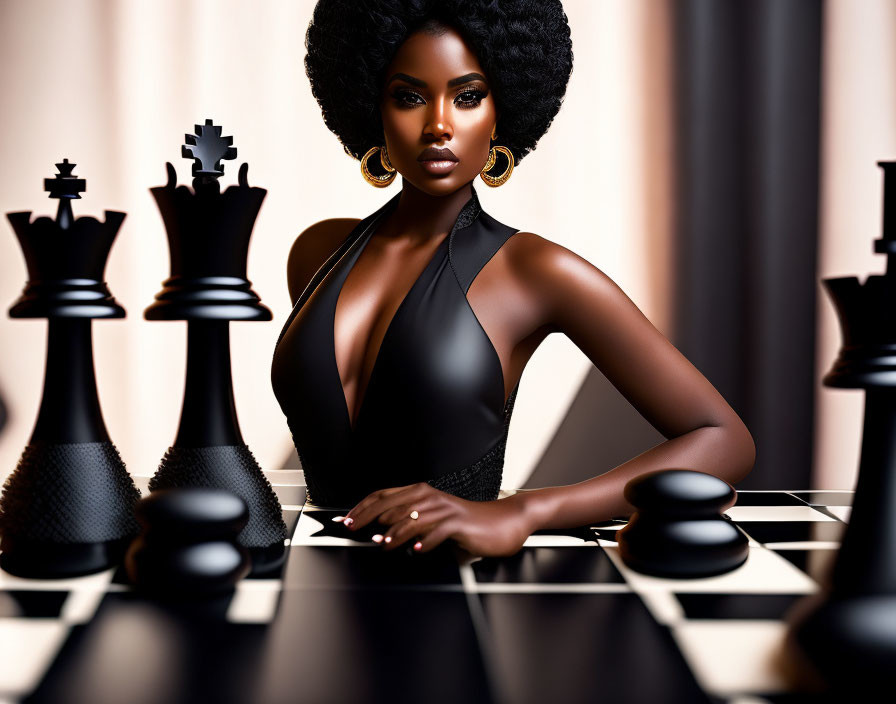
377, 538
418, 545
349, 521
338, 518
388, 538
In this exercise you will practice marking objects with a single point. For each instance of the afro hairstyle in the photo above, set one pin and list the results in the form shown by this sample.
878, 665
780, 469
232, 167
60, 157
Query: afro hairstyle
524, 46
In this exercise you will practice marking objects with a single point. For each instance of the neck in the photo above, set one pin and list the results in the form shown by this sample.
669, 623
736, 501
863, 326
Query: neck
421, 216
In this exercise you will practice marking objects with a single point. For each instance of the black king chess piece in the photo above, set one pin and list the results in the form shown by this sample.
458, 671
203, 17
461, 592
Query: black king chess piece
848, 630
68, 508
208, 240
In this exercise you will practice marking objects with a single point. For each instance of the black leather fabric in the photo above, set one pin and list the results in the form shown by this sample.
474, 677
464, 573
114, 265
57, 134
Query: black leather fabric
434, 407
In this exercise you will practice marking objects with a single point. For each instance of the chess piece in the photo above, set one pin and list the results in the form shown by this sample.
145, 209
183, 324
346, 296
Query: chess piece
208, 240
678, 530
188, 543
67, 509
848, 630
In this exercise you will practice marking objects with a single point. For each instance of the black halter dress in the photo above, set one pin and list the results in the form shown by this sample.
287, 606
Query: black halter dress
434, 407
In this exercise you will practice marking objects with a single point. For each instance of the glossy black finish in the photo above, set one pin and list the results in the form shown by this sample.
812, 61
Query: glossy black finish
70, 407
677, 530
671, 491
559, 648
188, 544
856, 613
193, 514
208, 416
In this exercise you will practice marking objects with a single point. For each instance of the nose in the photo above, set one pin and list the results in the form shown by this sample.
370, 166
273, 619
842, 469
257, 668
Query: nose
438, 126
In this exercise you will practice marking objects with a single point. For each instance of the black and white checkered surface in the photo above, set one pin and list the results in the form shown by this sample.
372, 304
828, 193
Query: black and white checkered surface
564, 620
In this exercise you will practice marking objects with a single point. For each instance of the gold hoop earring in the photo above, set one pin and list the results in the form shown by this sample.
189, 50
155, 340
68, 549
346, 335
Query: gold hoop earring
369, 176
494, 134
495, 181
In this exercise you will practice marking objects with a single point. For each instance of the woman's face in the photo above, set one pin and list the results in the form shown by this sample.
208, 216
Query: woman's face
436, 96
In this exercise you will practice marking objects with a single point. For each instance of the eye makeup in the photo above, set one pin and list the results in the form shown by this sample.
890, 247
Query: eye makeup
466, 98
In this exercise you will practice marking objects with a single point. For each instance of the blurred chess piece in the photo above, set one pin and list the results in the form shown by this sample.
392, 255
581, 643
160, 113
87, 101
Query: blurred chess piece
208, 240
848, 631
67, 509
188, 546
678, 531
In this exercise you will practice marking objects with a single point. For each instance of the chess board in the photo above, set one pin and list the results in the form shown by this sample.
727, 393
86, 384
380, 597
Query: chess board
564, 620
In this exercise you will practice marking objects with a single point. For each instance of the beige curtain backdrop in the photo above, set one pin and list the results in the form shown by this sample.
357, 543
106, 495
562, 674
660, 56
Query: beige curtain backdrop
858, 130
113, 86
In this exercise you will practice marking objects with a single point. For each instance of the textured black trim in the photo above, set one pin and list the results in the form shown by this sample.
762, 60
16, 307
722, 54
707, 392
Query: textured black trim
230, 467
69, 493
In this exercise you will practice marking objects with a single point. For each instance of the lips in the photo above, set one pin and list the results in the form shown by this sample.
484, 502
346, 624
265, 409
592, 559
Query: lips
434, 154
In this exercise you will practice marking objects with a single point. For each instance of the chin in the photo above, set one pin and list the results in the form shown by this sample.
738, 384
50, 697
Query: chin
438, 185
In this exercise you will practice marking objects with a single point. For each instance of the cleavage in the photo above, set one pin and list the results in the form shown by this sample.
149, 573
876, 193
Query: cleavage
371, 295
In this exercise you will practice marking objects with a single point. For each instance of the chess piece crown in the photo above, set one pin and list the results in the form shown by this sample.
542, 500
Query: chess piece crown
66, 257
866, 312
208, 237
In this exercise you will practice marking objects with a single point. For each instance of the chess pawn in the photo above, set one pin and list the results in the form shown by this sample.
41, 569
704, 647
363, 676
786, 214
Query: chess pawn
208, 240
678, 530
67, 509
188, 543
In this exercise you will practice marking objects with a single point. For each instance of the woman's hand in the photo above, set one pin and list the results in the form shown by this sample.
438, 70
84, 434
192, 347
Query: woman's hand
487, 528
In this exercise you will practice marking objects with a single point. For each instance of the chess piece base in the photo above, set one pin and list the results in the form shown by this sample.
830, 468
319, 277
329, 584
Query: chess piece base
850, 640
682, 549
44, 560
230, 467
191, 569
69, 502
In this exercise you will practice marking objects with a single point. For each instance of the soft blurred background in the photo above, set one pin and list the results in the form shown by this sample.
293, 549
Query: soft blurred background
716, 159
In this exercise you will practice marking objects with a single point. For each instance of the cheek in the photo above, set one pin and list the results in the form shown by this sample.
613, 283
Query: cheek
400, 123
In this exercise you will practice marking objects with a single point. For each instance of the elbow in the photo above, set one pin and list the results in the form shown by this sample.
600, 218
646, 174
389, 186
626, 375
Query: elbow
741, 452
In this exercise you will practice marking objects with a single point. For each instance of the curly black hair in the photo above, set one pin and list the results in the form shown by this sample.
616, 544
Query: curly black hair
524, 47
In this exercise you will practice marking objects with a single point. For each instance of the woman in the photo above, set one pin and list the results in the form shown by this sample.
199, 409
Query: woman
399, 366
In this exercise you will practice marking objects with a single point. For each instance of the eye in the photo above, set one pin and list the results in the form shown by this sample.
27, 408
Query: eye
406, 98
470, 98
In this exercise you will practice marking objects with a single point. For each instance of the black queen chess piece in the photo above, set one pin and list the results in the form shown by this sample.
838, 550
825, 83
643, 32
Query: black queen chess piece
208, 241
847, 631
68, 507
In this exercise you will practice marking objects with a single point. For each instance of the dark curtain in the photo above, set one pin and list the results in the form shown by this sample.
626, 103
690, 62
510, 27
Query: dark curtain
747, 115
747, 141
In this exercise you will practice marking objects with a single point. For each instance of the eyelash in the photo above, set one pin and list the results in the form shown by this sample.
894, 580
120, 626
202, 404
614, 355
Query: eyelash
399, 96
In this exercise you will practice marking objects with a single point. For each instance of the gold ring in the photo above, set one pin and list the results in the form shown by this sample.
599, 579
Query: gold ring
414, 515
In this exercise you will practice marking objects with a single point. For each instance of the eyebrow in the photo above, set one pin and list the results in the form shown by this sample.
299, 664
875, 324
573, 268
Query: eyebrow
422, 84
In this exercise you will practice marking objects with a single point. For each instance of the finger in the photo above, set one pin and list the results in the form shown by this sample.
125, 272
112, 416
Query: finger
409, 528
436, 536
382, 501
421, 506
361, 514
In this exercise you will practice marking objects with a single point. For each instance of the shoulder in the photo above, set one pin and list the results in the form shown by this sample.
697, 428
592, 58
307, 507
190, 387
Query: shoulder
312, 248
538, 262
560, 280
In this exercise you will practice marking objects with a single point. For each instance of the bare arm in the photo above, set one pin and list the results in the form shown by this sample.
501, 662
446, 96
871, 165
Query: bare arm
703, 432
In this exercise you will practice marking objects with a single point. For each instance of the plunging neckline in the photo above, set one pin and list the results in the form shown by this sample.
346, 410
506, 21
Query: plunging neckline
353, 427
